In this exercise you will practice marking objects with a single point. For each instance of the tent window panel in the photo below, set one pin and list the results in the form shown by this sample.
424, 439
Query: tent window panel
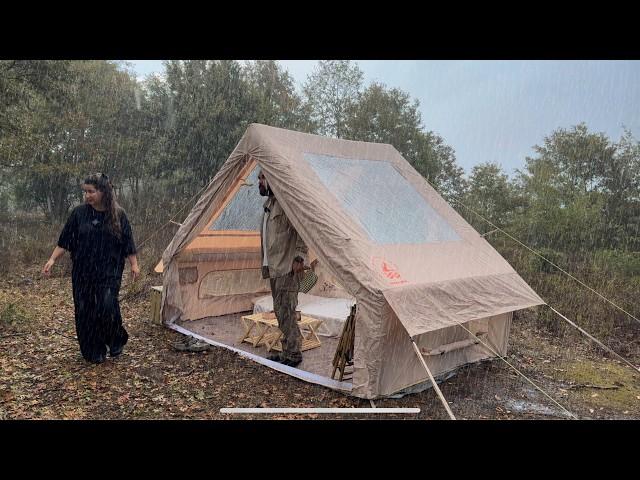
244, 211
385, 204
187, 275
232, 282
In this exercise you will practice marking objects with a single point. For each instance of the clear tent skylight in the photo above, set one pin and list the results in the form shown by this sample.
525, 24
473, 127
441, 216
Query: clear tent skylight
381, 200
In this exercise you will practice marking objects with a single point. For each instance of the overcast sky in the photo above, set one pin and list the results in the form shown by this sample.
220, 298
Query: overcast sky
495, 111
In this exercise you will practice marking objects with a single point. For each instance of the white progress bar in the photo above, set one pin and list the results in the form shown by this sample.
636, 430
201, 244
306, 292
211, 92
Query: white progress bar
319, 410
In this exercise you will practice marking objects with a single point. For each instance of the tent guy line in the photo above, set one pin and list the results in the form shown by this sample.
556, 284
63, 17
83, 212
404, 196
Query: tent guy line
594, 339
158, 230
574, 278
539, 255
519, 372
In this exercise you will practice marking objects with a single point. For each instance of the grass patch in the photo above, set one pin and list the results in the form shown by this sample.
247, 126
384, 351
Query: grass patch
605, 374
13, 314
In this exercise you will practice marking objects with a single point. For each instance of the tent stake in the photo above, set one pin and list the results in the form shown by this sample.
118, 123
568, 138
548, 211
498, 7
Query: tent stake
433, 381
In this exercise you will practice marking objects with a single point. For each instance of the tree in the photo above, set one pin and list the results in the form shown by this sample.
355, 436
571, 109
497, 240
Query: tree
436, 161
581, 191
23, 85
329, 93
390, 116
276, 102
77, 121
491, 195
211, 105
39, 133
580, 156
621, 186
384, 116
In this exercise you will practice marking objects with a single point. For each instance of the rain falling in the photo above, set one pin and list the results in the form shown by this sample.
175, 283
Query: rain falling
473, 222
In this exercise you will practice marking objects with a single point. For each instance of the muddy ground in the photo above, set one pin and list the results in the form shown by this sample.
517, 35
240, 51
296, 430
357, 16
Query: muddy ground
43, 376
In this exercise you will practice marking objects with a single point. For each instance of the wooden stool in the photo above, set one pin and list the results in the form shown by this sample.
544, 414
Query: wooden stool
257, 323
264, 331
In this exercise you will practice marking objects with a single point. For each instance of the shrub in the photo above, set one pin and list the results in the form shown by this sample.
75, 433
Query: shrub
12, 313
618, 261
538, 264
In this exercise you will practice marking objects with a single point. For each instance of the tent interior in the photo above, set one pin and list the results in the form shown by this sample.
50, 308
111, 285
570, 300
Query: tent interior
220, 272
220, 280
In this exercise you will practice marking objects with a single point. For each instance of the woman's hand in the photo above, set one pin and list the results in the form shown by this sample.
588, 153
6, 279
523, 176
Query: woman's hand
46, 270
57, 253
135, 269
135, 272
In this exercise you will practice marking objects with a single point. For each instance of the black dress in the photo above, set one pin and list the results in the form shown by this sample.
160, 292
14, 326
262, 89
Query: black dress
98, 258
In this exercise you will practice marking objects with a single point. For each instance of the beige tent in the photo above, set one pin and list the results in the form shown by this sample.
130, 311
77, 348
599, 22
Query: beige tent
382, 234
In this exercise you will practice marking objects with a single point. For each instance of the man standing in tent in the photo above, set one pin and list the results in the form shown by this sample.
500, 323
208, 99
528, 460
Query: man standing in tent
283, 259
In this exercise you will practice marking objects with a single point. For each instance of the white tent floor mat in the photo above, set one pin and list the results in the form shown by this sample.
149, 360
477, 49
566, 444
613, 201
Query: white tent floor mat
226, 331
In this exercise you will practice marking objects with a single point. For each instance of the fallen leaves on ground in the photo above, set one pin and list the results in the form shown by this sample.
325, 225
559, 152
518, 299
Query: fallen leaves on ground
43, 376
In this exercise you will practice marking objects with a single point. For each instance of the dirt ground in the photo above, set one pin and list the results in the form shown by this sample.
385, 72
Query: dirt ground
43, 376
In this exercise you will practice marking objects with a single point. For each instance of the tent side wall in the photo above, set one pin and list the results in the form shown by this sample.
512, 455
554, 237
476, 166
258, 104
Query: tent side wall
446, 349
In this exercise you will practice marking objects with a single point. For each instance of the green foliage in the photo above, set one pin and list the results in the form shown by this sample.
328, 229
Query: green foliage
330, 92
581, 193
24, 85
570, 298
618, 262
211, 106
162, 139
490, 194
75, 122
539, 264
12, 313
384, 116
276, 102
437, 163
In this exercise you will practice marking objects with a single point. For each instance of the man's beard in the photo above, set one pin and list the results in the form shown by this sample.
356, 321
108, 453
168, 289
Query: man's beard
265, 191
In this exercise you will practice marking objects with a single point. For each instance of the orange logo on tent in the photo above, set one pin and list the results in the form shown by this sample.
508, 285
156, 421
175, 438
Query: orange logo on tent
388, 270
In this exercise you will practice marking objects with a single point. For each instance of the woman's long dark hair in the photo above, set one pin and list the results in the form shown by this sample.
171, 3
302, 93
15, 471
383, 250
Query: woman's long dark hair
112, 209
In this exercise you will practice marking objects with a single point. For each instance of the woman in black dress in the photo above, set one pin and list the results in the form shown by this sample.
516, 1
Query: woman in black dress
99, 237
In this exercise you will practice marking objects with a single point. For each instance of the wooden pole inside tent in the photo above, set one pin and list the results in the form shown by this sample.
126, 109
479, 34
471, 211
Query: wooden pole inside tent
433, 381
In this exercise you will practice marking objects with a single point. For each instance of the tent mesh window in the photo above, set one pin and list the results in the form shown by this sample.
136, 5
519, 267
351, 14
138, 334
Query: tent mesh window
244, 211
381, 200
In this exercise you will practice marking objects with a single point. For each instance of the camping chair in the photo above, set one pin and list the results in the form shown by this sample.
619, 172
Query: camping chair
343, 357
